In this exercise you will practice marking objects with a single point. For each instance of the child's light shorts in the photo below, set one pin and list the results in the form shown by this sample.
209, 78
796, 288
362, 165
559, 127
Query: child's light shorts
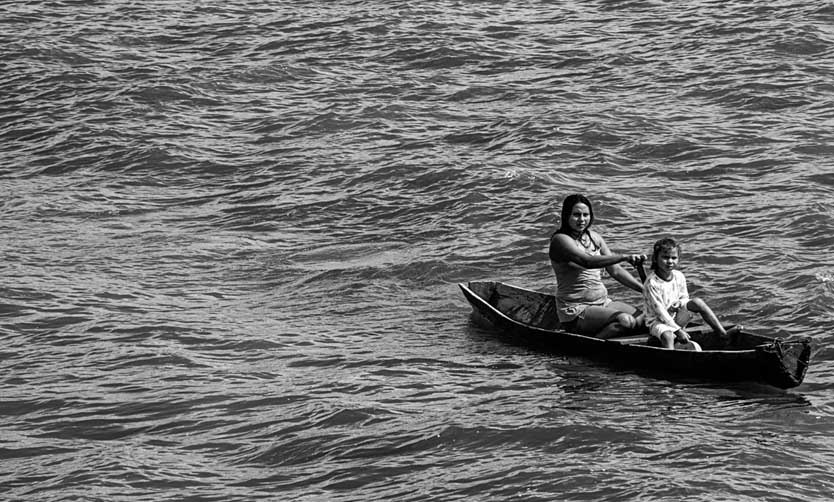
658, 329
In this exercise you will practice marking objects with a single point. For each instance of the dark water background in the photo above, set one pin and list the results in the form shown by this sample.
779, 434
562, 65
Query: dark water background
232, 232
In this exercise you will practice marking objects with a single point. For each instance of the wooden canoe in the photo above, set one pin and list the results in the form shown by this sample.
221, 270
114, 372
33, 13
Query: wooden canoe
529, 317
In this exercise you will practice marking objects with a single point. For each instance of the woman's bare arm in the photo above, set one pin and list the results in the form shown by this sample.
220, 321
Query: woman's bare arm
620, 274
563, 248
624, 277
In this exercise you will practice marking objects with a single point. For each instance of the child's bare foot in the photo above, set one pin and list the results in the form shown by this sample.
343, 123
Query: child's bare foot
734, 331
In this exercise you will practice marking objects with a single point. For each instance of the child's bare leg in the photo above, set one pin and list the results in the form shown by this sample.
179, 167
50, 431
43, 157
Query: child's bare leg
667, 340
699, 306
682, 317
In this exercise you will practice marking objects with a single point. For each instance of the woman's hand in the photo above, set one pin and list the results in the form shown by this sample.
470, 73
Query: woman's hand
635, 259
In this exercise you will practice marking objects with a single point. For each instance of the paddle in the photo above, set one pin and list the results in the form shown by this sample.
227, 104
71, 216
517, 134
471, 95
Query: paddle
640, 270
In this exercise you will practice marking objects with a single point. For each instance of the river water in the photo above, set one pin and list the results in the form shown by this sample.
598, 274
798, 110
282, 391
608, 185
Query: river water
232, 234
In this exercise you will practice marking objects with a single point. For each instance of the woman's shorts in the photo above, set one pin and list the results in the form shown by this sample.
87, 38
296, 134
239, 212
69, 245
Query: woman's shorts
570, 312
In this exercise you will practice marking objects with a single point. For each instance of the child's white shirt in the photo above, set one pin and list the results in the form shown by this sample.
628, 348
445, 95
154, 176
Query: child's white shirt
662, 299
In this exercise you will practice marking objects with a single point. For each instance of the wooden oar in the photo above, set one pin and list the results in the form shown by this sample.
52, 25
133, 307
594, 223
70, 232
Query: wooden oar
641, 271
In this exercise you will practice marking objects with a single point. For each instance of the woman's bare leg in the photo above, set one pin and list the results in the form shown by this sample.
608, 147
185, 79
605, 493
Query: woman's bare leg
604, 322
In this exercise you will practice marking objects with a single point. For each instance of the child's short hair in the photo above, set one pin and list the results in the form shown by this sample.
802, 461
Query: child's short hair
664, 244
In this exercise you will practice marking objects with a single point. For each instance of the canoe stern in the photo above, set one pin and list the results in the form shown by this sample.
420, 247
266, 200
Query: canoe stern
784, 362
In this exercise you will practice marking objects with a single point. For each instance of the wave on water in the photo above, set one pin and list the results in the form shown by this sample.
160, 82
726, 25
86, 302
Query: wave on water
233, 235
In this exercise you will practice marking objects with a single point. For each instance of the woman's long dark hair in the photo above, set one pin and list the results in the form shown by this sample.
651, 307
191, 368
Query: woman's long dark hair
567, 209
663, 245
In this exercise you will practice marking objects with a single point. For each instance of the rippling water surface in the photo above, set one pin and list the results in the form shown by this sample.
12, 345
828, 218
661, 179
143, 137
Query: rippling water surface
232, 233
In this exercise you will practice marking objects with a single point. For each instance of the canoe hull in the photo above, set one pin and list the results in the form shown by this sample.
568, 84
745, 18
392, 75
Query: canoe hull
529, 317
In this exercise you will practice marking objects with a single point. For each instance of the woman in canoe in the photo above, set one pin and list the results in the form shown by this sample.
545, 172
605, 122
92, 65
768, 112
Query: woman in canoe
578, 255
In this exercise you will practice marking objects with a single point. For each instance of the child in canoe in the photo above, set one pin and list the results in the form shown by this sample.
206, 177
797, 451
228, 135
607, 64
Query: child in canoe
666, 300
